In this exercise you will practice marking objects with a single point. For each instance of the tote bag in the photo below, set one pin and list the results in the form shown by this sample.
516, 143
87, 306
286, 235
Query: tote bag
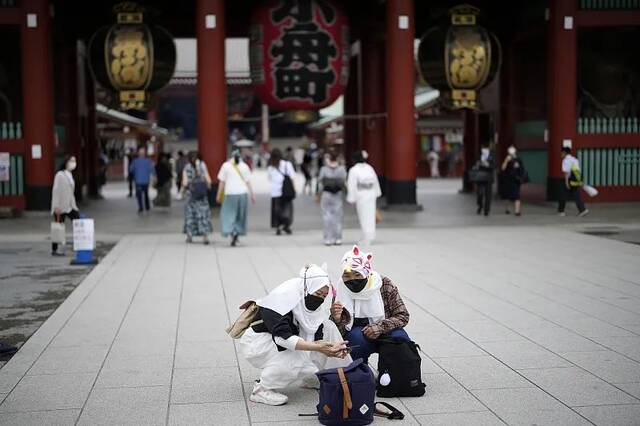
58, 234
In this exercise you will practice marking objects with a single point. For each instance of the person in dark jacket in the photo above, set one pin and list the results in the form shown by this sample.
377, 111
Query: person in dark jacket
163, 182
513, 173
484, 188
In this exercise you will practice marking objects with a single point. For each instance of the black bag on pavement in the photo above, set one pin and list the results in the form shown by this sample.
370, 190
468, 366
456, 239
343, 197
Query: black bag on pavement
401, 361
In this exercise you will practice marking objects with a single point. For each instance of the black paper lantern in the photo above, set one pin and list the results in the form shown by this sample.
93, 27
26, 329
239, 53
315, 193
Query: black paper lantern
460, 58
132, 57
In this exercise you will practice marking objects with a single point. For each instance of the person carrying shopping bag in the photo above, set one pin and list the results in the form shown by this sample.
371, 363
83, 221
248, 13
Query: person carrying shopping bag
63, 203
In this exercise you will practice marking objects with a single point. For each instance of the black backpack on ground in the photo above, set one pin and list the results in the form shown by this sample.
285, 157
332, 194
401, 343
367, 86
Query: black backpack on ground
288, 190
401, 361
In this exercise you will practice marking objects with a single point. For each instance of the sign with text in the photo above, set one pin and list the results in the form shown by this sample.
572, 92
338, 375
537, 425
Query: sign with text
83, 235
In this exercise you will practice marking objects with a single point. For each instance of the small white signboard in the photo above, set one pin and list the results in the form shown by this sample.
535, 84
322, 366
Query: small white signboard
5, 164
83, 234
36, 152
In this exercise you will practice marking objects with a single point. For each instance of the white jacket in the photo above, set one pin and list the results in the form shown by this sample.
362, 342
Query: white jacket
62, 194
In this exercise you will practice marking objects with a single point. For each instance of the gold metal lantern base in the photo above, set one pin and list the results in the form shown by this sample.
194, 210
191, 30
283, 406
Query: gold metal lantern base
132, 99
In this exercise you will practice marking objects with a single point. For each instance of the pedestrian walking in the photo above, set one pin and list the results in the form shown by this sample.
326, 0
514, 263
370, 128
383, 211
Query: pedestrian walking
181, 163
197, 213
434, 160
514, 175
291, 336
572, 183
127, 160
373, 305
164, 180
234, 190
306, 171
484, 186
142, 170
363, 189
63, 199
332, 178
280, 173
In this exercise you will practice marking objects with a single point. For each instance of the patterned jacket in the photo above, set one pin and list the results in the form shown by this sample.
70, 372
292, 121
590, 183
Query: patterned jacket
395, 312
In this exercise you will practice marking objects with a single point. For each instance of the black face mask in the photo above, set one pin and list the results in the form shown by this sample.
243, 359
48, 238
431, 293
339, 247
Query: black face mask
313, 302
356, 286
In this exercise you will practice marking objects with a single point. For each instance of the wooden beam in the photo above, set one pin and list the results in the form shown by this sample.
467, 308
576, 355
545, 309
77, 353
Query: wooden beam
607, 18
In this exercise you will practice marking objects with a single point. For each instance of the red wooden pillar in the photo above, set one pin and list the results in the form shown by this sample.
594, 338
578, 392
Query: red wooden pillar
562, 89
352, 111
401, 148
37, 97
471, 145
373, 101
212, 88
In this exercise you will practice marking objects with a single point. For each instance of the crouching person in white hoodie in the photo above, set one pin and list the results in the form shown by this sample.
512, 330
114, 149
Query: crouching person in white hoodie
292, 337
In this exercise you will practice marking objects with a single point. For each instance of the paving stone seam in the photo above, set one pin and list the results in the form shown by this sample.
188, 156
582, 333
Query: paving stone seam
175, 346
559, 269
470, 390
475, 344
554, 284
504, 325
149, 261
79, 303
508, 282
235, 347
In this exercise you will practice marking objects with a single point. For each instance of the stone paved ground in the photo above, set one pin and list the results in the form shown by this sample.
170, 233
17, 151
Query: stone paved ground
529, 324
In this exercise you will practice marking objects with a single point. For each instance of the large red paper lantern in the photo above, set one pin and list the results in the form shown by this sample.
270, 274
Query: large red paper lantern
299, 53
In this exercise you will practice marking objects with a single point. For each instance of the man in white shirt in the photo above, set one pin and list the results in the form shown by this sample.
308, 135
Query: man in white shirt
573, 183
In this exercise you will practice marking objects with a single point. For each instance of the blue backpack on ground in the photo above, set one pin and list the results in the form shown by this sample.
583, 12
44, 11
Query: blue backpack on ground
347, 397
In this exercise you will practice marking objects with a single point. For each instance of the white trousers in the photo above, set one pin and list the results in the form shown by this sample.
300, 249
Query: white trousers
366, 209
281, 369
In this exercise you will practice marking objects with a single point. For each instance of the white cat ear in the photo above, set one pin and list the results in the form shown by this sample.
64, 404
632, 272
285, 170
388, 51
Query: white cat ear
356, 250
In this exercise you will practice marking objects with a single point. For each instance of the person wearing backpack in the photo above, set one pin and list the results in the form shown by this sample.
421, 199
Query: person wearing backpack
281, 174
573, 183
233, 194
513, 176
197, 214
291, 336
371, 316
369, 305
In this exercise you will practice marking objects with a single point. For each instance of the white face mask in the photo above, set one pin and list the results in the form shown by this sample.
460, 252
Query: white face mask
71, 166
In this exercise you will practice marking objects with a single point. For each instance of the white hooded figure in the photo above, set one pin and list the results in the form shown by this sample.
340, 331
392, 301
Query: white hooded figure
363, 189
284, 340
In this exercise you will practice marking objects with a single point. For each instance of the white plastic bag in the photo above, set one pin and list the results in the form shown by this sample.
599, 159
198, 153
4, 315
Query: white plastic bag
590, 190
58, 234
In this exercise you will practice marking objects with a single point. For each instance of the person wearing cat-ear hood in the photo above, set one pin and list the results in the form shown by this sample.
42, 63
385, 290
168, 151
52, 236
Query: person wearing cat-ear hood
369, 305
291, 336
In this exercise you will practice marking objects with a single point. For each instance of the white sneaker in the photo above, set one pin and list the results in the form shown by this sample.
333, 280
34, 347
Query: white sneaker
584, 213
338, 242
263, 395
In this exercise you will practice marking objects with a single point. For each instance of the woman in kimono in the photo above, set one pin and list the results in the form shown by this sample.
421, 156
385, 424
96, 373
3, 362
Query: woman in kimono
332, 179
369, 306
281, 208
363, 190
292, 336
